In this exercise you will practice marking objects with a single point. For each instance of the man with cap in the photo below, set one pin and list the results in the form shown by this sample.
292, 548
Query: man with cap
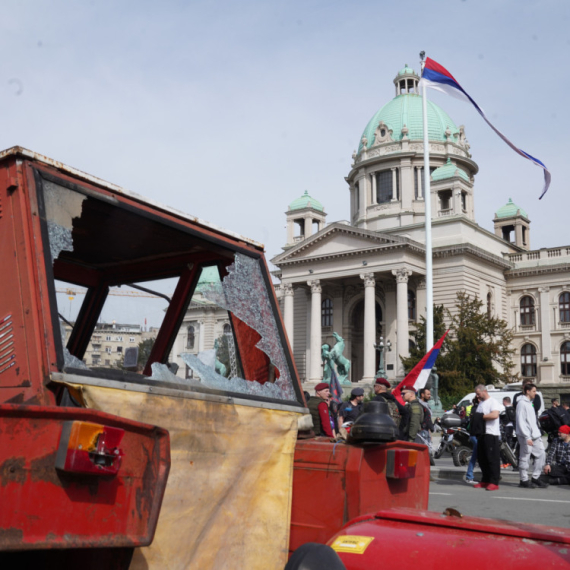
349, 411
557, 467
319, 407
383, 393
414, 416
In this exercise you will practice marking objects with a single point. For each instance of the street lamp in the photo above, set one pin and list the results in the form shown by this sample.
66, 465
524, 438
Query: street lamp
381, 347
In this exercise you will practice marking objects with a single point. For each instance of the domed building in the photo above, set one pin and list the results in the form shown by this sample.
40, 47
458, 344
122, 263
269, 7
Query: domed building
365, 277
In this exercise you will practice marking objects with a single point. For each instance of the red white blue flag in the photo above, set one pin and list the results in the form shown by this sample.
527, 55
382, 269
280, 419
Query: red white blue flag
435, 76
419, 375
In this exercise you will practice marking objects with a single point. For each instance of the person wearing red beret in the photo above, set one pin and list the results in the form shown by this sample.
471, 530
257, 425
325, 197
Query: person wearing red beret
319, 407
383, 393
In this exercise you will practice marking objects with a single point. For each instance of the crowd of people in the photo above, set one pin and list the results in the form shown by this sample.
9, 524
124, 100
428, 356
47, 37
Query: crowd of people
413, 418
520, 429
487, 426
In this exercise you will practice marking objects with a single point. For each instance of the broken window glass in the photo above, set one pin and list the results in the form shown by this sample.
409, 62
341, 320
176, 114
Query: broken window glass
259, 360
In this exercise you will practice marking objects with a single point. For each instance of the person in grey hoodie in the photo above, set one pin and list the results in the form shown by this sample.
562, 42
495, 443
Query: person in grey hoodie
530, 439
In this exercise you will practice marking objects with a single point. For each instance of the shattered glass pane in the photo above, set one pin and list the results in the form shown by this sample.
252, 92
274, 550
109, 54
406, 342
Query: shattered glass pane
62, 206
162, 373
211, 379
59, 239
243, 292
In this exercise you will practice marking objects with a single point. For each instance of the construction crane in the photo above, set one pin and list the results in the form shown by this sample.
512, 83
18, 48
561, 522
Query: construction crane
115, 291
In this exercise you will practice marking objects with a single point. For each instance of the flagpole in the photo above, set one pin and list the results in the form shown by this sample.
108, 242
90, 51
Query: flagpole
427, 201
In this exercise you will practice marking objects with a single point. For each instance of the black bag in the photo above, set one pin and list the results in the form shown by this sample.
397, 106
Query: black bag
477, 424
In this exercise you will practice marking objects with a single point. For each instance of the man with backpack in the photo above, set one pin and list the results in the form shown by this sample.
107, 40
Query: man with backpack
414, 416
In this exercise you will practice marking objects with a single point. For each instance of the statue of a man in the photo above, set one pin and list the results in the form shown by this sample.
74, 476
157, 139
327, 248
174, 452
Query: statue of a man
327, 362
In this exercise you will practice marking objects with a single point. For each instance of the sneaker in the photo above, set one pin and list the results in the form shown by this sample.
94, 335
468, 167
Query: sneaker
538, 483
481, 485
527, 484
492, 487
471, 481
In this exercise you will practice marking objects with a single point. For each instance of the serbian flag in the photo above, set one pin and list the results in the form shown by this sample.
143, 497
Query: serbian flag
419, 374
434, 76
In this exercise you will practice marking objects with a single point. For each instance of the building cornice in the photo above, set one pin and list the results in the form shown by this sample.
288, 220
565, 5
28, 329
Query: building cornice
387, 242
474, 251
537, 270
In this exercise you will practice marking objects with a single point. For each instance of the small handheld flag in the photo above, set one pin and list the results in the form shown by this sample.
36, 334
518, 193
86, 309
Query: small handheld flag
419, 374
435, 76
336, 389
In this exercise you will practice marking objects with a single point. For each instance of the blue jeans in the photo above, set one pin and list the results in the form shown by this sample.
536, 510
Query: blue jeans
473, 460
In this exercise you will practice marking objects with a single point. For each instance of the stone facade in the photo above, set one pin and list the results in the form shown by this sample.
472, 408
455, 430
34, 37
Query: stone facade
365, 278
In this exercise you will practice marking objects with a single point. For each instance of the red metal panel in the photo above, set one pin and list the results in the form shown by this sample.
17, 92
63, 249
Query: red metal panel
333, 483
92, 511
402, 539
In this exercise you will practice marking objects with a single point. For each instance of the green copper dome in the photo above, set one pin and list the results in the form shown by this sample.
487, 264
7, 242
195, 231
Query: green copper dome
407, 110
406, 71
509, 210
305, 201
448, 170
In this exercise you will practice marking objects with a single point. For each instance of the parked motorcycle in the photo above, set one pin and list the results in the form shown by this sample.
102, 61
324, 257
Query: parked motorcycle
454, 440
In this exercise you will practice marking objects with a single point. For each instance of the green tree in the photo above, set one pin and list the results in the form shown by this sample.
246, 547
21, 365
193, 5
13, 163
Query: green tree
477, 349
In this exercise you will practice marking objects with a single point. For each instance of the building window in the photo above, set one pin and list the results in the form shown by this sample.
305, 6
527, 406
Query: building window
107, 363
95, 361
108, 349
119, 349
326, 313
527, 310
528, 361
565, 359
411, 306
464, 201
119, 339
489, 305
132, 339
191, 337
227, 330
384, 186
107, 338
564, 306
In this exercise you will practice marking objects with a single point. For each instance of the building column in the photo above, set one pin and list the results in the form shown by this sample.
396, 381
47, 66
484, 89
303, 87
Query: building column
374, 191
394, 186
369, 326
402, 329
308, 227
315, 371
545, 322
457, 209
288, 303
421, 300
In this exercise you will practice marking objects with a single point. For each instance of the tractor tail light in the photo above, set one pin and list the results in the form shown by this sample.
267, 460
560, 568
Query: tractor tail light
88, 448
401, 463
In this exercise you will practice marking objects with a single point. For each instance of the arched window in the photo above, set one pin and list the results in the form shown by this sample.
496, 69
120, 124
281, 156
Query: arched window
191, 337
326, 313
528, 361
527, 310
227, 330
565, 359
564, 307
411, 305
489, 304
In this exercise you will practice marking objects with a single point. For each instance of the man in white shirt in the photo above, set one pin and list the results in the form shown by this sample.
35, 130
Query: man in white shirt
530, 439
488, 444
